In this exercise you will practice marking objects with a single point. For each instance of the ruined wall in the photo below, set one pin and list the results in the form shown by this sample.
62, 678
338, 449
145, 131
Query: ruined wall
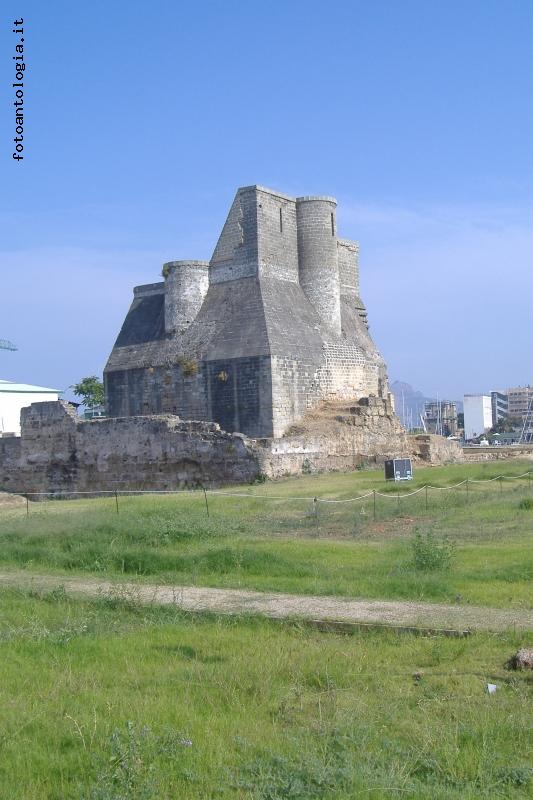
335, 436
499, 453
435, 449
60, 452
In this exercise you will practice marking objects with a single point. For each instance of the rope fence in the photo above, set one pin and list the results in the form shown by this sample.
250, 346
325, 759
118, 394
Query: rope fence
223, 493
332, 514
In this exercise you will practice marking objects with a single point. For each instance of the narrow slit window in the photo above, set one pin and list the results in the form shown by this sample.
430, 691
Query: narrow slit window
281, 220
332, 225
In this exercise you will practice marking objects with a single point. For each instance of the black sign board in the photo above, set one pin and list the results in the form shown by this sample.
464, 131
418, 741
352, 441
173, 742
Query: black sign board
399, 469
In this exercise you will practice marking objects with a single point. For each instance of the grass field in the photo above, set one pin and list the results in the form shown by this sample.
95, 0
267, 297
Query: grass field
104, 701
270, 541
112, 700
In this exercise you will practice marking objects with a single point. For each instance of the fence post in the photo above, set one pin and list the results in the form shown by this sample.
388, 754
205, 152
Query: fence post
27, 506
206, 503
529, 479
315, 511
501, 482
374, 505
467, 488
116, 500
426, 497
398, 501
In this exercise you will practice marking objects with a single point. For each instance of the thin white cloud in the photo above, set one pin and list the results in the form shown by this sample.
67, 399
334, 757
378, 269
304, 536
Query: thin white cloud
449, 293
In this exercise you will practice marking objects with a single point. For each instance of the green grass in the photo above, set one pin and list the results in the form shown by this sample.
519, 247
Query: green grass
281, 545
103, 700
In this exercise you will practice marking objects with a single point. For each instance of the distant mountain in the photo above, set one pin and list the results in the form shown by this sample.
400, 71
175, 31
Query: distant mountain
409, 403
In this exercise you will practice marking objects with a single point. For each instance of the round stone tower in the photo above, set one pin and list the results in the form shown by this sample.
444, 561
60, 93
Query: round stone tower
186, 285
317, 256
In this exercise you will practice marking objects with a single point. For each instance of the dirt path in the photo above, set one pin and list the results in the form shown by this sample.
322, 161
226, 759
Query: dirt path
322, 609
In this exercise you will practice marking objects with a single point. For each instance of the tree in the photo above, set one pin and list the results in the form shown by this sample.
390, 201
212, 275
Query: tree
91, 391
507, 424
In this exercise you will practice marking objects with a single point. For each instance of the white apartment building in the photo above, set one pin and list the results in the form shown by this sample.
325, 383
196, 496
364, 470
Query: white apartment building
478, 414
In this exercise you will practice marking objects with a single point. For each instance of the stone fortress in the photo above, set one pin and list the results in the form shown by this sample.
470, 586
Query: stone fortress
270, 327
257, 362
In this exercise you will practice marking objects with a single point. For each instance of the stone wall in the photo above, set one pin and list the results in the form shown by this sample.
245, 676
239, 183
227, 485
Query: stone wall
435, 449
499, 453
308, 454
336, 436
60, 452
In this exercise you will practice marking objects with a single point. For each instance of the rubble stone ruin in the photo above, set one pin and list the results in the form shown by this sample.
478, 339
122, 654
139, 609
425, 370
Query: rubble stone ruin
254, 338
258, 362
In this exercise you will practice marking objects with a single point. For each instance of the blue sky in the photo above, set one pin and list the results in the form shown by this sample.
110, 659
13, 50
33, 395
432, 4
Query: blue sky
142, 119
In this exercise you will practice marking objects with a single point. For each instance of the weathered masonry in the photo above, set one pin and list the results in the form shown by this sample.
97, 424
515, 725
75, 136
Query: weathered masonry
271, 326
59, 451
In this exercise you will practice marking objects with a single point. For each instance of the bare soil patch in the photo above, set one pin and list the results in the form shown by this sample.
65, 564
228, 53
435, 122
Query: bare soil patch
11, 500
283, 606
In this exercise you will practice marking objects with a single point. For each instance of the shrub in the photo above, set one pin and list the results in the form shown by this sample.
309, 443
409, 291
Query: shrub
526, 504
130, 772
430, 554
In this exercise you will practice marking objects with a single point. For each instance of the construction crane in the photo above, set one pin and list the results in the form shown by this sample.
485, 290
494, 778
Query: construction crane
7, 345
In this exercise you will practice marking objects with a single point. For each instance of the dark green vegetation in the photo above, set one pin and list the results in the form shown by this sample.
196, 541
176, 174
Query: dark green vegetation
482, 531
90, 390
106, 701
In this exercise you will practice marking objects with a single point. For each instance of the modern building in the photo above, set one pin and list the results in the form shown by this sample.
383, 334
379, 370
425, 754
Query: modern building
478, 415
520, 401
500, 406
440, 417
14, 397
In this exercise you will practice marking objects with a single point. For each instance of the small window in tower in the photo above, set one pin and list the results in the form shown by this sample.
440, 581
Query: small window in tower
281, 220
332, 225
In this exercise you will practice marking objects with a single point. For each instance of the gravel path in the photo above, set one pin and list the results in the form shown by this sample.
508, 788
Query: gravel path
321, 609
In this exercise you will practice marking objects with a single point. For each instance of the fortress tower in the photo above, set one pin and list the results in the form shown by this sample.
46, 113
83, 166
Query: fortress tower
268, 328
